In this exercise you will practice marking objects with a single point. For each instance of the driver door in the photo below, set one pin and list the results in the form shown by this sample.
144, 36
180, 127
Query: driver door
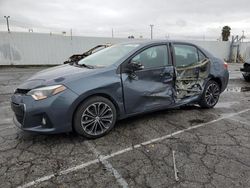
153, 86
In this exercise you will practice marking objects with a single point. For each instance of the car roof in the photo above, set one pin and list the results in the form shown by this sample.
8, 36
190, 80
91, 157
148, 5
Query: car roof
149, 42
143, 43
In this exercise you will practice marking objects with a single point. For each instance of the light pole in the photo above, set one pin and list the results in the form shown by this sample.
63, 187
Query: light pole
151, 28
243, 35
7, 20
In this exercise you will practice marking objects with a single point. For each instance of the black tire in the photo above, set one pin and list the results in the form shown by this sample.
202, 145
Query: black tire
246, 77
210, 95
95, 117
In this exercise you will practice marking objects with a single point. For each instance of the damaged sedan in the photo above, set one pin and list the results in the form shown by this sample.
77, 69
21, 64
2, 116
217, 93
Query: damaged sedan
118, 82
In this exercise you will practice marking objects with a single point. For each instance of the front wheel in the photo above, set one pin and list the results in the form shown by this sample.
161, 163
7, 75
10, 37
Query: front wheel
95, 117
211, 95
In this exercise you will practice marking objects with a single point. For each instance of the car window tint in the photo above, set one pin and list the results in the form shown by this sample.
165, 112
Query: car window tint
185, 55
152, 57
201, 55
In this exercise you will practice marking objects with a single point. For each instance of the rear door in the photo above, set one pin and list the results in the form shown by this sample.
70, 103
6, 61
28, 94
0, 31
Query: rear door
153, 86
192, 70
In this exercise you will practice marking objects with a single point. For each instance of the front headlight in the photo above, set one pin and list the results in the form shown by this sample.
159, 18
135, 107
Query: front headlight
45, 92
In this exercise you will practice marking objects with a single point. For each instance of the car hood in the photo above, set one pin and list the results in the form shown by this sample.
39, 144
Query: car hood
56, 75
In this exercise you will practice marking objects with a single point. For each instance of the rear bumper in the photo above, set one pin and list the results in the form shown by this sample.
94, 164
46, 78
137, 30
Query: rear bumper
243, 70
224, 81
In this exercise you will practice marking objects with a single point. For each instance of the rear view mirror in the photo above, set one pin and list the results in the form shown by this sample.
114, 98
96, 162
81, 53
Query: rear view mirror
134, 66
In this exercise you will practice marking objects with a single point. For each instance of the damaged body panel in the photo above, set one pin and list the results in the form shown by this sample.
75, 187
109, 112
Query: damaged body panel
121, 81
147, 90
190, 80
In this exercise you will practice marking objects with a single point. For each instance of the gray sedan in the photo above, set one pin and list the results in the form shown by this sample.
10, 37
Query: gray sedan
118, 82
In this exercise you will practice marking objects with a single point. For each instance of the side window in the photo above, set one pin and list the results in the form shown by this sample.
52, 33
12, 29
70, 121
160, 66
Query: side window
201, 55
185, 55
152, 57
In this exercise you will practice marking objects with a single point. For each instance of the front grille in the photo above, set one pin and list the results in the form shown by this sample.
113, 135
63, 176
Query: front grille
19, 111
21, 91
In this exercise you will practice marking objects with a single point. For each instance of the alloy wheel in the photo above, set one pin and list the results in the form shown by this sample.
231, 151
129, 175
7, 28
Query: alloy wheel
97, 118
212, 94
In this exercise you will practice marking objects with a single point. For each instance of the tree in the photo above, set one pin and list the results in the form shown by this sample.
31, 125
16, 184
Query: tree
131, 37
225, 33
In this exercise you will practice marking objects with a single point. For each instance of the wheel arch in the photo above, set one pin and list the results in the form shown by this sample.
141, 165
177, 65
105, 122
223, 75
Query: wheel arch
83, 99
218, 80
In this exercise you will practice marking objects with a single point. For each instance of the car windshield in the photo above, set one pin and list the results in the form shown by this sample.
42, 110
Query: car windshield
108, 56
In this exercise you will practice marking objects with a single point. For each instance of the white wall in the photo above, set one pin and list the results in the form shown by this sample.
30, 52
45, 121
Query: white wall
219, 49
45, 49
39, 49
245, 50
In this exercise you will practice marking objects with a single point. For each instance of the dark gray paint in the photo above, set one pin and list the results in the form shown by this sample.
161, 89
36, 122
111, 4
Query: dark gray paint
147, 90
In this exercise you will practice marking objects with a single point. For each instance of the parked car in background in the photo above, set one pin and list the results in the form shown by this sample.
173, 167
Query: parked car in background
118, 82
77, 57
246, 70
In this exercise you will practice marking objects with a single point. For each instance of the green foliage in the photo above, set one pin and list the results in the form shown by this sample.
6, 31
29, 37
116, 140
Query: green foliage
225, 33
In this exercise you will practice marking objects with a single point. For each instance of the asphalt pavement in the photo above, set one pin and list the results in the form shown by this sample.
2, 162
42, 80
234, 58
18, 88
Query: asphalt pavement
184, 147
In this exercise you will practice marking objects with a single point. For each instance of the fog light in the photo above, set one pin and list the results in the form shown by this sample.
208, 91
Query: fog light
43, 121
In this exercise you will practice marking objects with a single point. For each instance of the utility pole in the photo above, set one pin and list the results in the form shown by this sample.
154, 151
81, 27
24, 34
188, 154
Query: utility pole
151, 28
243, 35
112, 33
204, 37
71, 34
7, 20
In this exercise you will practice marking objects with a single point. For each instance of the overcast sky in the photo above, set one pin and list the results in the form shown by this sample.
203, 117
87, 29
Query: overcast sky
176, 18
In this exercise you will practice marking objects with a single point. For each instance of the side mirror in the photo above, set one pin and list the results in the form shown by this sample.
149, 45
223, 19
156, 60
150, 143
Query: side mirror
134, 66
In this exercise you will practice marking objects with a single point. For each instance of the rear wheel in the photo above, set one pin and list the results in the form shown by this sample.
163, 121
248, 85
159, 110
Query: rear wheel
211, 95
95, 117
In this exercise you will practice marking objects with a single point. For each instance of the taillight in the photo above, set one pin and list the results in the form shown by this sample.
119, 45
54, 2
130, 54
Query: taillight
225, 65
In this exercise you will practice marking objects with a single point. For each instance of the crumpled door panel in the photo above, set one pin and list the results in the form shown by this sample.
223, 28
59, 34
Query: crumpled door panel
148, 89
190, 80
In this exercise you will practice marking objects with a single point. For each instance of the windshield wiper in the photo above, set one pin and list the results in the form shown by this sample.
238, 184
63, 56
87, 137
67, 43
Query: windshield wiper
85, 65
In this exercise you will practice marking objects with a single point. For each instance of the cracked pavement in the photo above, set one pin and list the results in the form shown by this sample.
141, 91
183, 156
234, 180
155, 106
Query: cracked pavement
215, 154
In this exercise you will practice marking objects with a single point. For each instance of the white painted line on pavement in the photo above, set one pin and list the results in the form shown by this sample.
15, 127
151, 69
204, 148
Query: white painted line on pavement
63, 172
239, 121
7, 127
83, 165
108, 166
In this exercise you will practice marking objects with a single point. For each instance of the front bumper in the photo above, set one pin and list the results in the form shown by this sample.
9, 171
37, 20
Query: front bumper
246, 68
51, 115
245, 72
